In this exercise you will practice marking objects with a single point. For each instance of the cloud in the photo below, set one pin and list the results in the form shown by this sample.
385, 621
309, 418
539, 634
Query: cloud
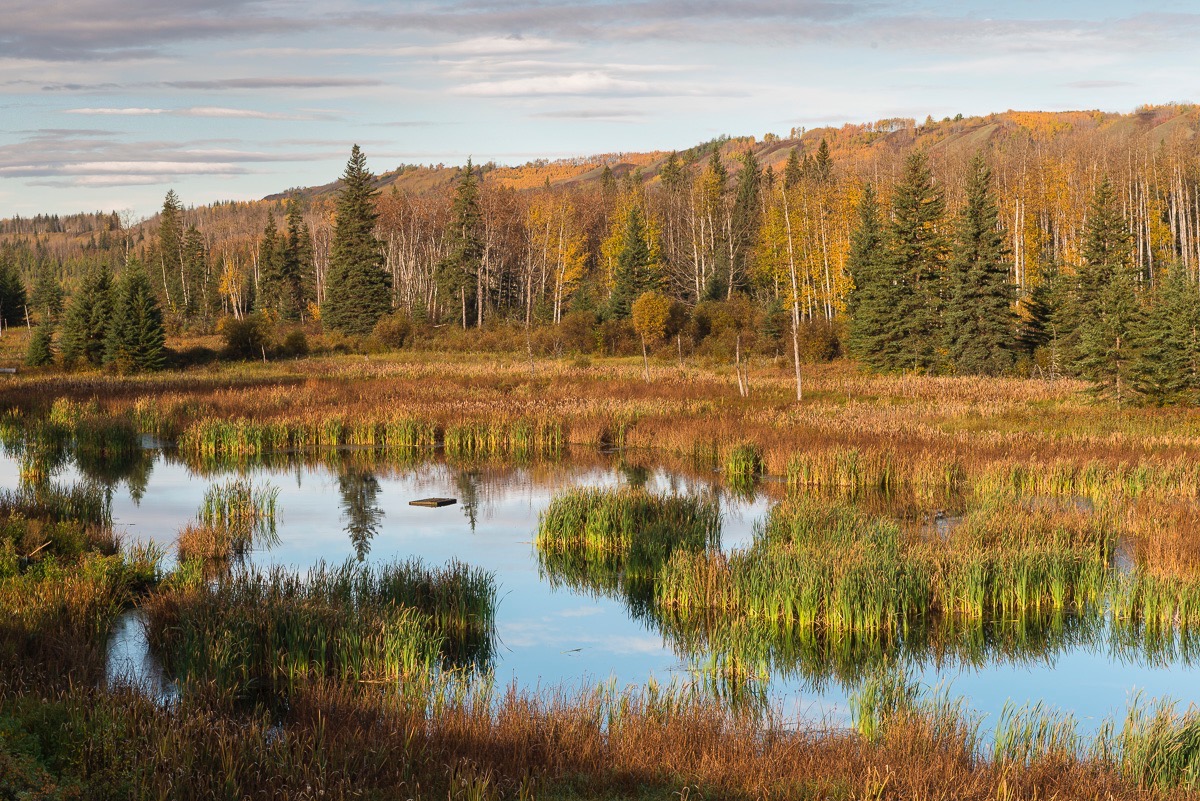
614, 115
194, 111
275, 83
89, 30
1097, 84
595, 82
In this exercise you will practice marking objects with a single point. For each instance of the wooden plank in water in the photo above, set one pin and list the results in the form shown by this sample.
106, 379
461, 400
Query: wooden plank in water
434, 503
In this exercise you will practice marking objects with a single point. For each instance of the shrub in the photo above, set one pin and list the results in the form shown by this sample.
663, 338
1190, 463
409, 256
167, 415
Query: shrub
393, 330
247, 338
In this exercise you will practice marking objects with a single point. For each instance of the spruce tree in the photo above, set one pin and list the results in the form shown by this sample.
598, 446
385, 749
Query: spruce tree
979, 324
41, 351
85, 326
1166, 344
271, 293
822, 163
636, 271
170, 250
297, 264
917, 251
47, 297
1106, 307
793, 171
136, 339
12, 293
458, 272
672, 175
198, 295
359, 289
873, 301
744, 222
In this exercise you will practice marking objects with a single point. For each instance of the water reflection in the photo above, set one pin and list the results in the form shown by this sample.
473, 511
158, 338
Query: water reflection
359, 490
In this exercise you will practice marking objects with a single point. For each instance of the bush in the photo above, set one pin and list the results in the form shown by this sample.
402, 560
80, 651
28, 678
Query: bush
295, 344
819, 341
393, 330
247, 338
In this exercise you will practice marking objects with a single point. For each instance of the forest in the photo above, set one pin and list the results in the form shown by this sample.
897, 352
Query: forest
1035, 244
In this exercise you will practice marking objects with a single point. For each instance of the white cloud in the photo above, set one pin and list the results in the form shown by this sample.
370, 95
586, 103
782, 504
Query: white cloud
594, 82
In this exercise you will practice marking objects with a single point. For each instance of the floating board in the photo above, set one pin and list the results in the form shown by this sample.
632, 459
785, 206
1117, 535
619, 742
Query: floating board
434, 503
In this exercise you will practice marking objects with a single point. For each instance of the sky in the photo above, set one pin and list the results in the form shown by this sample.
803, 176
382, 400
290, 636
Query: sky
107, 104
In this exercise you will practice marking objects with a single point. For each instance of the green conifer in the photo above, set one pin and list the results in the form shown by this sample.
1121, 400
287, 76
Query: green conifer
359, 289
979, 323
136, 338
85, 326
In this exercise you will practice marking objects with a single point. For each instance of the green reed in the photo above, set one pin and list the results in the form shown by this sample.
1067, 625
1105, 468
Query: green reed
511, 439
238, 515
263, 633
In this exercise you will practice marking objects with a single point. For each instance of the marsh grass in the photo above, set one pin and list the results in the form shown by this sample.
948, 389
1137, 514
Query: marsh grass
262, 634
615, 541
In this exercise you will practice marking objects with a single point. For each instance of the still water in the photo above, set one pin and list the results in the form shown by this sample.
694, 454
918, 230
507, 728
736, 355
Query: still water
552, 637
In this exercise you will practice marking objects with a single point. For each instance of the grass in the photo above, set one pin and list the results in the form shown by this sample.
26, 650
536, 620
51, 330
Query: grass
1033, 484
262, 634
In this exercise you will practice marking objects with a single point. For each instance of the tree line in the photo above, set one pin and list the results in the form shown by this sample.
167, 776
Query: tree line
880, 240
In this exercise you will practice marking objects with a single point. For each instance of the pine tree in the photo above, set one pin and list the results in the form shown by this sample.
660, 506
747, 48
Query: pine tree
1036, 327
1166, 344
793, 171
458, 272
170, 250
297, 264
873, 301
979, 323
12, 293
47, 297
636, 271
136, 339
41, 351
85, 327
672, 174
822, 163
1106, 307
198, 293
271, 293
359, 289
917, 250
744, 223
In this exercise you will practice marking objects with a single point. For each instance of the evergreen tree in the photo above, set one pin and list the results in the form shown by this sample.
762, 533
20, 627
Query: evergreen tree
793, 171
822, 163
458, 272
170, 250
1105, 310
672, 174
198, 295
271, 295
716, 178
12, 293
1166, 343
359, 289
41, 351
136, 339
85, 326
1036, 328
744, 223
47, 297
979, 323
917, 250
297, 265
636, 271
873, 301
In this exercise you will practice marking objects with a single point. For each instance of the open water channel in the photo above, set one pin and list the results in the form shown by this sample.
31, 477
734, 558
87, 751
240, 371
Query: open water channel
551, 636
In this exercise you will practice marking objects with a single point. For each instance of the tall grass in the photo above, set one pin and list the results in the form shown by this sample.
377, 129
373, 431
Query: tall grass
616, 541
263, 634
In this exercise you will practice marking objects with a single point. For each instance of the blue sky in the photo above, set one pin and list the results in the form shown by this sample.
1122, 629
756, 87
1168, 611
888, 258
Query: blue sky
105, 104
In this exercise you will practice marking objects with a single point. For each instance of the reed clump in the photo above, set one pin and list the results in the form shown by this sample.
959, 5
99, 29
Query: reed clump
829, 568
261, 634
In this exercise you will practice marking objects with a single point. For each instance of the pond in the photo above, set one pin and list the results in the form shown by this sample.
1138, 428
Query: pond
551, 636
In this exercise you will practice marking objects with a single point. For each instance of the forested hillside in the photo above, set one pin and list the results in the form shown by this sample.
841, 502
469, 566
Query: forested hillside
1055, 222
